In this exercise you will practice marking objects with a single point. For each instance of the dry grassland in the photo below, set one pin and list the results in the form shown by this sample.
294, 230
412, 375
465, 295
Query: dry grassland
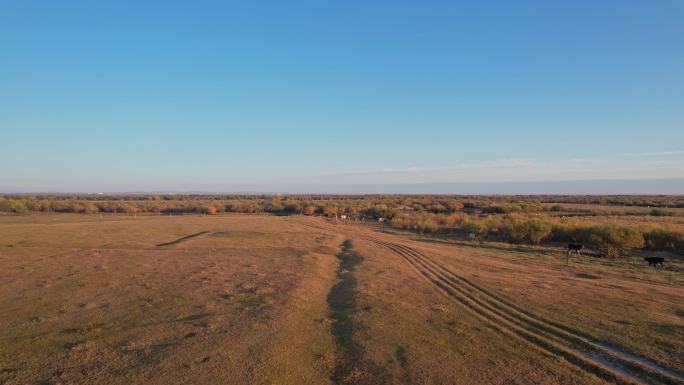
302, 300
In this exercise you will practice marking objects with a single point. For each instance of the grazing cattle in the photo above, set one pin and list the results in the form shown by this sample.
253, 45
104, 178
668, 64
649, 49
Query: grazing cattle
575, 247
654, 261
471, 236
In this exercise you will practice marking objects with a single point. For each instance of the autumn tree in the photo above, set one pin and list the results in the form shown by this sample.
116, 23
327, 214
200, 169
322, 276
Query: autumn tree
329, 211
455, 206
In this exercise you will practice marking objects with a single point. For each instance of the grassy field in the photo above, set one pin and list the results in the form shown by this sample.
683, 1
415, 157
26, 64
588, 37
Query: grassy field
305, 300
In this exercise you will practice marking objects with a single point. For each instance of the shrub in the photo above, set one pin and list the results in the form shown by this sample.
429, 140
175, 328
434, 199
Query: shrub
13, 205
426, 223
538, 230
518, 229
90, 208
614, 239
437, 208
329, 211
494, 223
477, 227
571, 231
659, 238
455, 206
126, 208
660, 212
515, 229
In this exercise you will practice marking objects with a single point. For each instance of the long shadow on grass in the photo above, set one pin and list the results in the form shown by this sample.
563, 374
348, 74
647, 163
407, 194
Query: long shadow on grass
182, 239
342, 303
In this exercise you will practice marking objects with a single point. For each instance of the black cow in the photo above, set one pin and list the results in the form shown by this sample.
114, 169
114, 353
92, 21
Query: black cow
654, 261
575, 247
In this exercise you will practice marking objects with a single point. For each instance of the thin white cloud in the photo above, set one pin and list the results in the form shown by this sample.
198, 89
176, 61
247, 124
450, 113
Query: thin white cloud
647, 166
515, 170
652, 154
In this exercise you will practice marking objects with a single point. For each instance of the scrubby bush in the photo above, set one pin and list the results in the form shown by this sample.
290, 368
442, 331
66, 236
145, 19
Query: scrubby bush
494, 223
477, 227
426, 223
614, 239
663, 238
515, 229
538, 230
423, 222
455, 206
437, 208
449, 222
571, 231
309, 210
90, 208
518, 229
13, 205
661, 213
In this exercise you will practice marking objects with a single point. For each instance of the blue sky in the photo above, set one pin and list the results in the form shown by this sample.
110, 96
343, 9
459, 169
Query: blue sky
273, 95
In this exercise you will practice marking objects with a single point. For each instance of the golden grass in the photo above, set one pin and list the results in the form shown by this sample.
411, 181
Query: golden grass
298, 300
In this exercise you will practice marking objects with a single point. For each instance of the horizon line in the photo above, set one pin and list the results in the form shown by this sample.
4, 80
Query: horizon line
641, 186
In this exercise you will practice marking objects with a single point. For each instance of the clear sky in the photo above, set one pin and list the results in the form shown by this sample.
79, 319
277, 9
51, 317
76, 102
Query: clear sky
287, 95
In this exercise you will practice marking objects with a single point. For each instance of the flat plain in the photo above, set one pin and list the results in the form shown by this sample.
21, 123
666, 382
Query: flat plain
91, 299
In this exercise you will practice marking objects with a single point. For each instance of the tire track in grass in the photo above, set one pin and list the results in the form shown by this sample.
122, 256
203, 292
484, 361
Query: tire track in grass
608, 363
642, 366
595, 348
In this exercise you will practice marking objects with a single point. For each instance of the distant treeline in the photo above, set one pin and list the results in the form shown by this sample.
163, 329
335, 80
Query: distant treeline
187, 204
662, 201
374, 205
610, 237
531, 219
